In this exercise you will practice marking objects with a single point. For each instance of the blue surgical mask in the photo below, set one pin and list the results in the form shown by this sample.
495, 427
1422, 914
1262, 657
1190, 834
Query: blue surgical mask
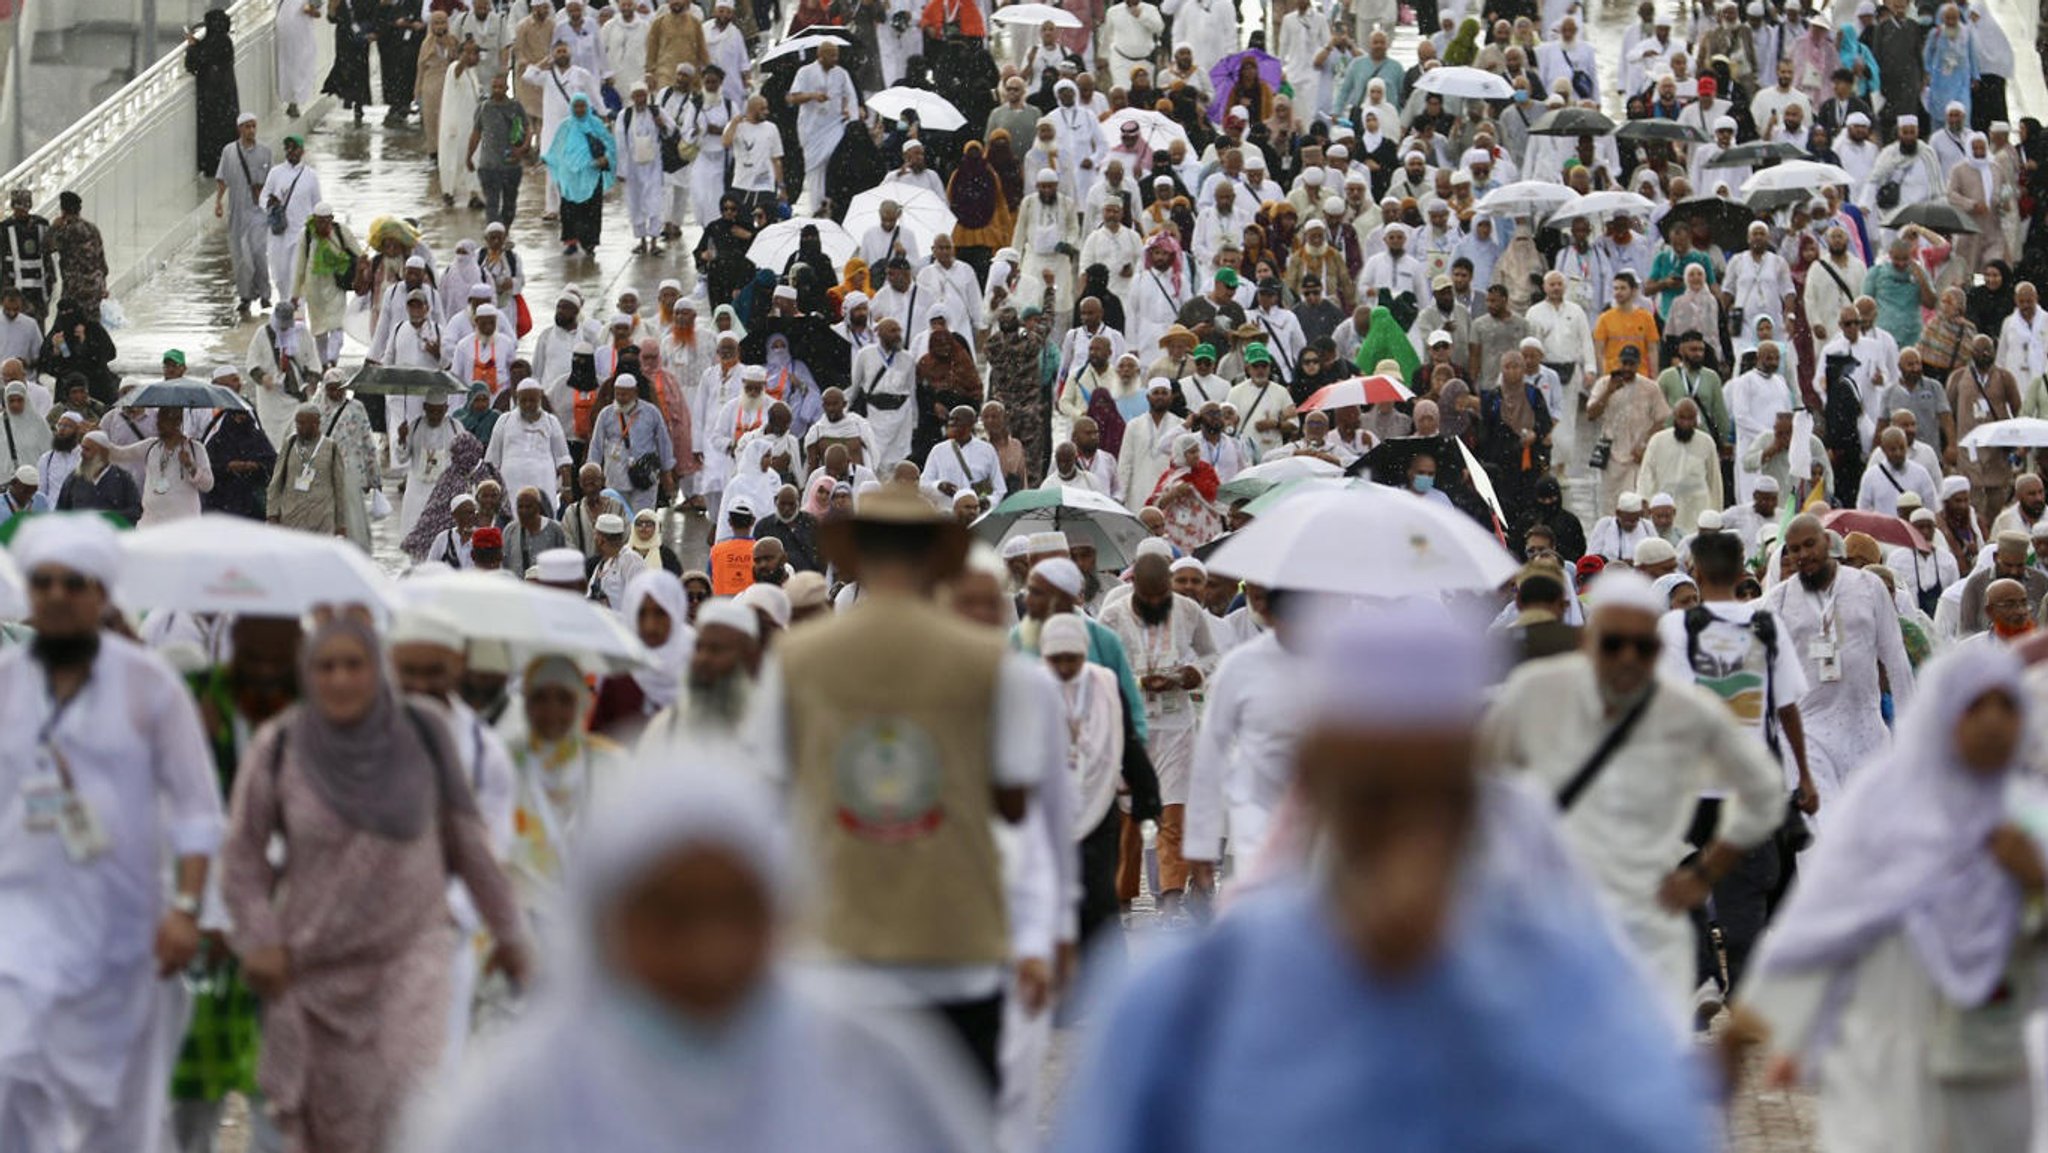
1425, 483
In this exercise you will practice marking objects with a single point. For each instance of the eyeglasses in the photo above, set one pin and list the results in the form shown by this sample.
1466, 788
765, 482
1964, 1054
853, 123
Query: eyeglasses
72, 582
1646, 646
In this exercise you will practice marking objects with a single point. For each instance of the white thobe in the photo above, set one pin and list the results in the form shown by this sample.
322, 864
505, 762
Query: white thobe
726, 45
1627, 828
585, 50
263, 363
640, 131
171, 487
1208, 27
1117, 250
1141, 461
298, 50
409, 348
1844, 728
87, 1030
1754, 402
297, 187
821, 124
1130, 38
1166, 649
1082, 148
462, 92
1883, 485
1244, 751
877, 371
1041, 229
957, 289
1152, 304
1690, 472
1302, 36
965, 466
528, 453
427, 446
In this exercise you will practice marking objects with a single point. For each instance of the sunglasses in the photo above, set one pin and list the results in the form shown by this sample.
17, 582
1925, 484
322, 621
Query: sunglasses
1646, 647
71, 582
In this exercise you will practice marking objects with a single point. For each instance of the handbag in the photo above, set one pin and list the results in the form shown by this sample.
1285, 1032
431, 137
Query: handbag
1888, 193
345, 277
644, 470
523, 315
1603, 451
274, 212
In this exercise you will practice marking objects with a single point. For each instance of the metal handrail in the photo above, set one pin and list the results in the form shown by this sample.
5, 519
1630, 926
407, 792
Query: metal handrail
49, 169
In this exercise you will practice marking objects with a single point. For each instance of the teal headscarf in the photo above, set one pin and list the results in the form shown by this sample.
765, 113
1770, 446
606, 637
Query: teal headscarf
571, 158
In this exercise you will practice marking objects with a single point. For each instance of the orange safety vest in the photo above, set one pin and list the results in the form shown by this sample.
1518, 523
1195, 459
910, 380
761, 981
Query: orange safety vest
732, 567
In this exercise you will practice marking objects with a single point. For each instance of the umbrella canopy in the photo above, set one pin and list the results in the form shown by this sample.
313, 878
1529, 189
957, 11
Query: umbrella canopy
230, 564
808, 42
1367, 541
1668, 131
1224, 76
1727, 220
933, 110
1458, 475
1886, 529
1468, 83
1773, 199
1359, 390
1527, 198
390, 380
925, 214
529, 619
184, 393
1597, 204
1757, 152
1572, 122
1156, 130
2018, 432
1036, 14
1260, 479
775, 244
1080, 513
1934, 216
1808, 176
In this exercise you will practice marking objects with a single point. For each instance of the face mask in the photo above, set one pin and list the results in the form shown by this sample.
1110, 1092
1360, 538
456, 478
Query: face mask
1422, 484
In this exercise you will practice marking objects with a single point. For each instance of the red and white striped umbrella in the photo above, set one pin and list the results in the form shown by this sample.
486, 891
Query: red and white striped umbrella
1356, 391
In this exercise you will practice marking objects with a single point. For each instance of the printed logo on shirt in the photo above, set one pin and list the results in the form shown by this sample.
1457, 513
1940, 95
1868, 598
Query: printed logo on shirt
1730, 664
887, 777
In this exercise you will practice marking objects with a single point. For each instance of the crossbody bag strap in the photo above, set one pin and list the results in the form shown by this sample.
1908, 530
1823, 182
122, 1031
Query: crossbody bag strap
1569, 794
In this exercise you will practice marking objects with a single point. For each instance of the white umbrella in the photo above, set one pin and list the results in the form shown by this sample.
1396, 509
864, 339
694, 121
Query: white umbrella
529, 619
1036, 14
1157, 130
1605, 203
2017, 432
775, 244
1372, 541
1527, 198
797, 44
229, 564
933, 110
925, 214
1810, 175
1472, 83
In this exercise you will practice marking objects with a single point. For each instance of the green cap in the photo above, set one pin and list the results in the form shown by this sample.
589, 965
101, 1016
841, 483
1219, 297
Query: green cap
176, 356
1227, 277
297, 139
1204, 352
1257, 354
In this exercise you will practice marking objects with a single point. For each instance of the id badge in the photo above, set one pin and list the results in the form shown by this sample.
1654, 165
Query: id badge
1169, 703
162, 485
305, 481
84, 837
42, 797
1827, 661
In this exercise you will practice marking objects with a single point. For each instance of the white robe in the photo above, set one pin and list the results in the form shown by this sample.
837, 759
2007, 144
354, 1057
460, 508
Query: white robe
528, 453
298, 50
1169, 716
275, 408
297, 187
640, 131
877, 371
462, 92
1244, 751
427, 446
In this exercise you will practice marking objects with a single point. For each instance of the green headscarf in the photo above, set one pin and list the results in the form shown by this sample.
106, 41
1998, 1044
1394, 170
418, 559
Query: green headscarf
1384, 340
1464, 47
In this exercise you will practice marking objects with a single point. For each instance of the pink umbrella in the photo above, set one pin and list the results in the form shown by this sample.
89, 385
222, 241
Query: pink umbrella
1359, 390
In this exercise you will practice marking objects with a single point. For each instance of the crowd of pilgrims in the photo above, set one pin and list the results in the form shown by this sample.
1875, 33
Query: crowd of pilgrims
1795, 574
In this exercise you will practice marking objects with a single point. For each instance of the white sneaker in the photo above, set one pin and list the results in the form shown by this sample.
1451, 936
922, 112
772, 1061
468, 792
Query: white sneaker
1706, 1005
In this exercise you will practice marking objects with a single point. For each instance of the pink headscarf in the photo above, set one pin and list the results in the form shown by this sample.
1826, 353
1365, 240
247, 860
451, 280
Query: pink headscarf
1165, 239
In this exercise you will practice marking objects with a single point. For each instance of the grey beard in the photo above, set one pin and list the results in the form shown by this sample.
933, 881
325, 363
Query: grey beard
722, 703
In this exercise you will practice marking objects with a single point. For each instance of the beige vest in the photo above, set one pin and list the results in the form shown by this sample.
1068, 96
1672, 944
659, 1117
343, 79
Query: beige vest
891, 709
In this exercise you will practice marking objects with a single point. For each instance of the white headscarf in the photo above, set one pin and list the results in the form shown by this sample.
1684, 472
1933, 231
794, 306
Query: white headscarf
663, 682
1985, 179
1905, 847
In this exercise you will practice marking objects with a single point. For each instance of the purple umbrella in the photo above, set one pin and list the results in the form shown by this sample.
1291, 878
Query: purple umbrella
1224, 75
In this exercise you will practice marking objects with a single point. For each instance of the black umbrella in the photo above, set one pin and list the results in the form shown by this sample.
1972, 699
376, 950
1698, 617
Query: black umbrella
1727, 220
1670, 131
1388, 463
1758, 151
1934, 216
392, 380
1572, 122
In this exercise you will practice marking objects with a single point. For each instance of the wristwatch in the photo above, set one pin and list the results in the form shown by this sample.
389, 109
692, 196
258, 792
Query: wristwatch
185, 903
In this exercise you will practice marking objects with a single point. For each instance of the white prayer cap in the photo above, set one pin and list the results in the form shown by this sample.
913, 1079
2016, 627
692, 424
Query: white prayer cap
223, 372
725, 612
854, 299
1629, 502
1013, 256
1655, 550
569, 296
1627, 589
1256, 162
1756, 8
1047, 176
495, 227
530, 384
1338, 152
1061, 573
1955, 106
419, 625
487, 312
1189, 564
611, 524
625, 380
1709, 521
619, 320
1476, 156
1951, 485
559, 566
461, 498
245, 118
1998, 126
1316, 224
1238, 112
1858, 118
28, 475
1406, 665
419, 262
71, 418
1159, 384
754, 374
480, 291
1439, 336
1662, 500
1722, 123
1333, 205
1920, 514
1769, 484
1066, 85
1529, 342
1313, 178
1155, 546
1046, 543
769, 599
1016, 546
684, 303
1064, 635
1357, 178
785, 292
913, 142
638, 86
99, 438
665, 285
1907, 121
322, 209
81, 542
939, 312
